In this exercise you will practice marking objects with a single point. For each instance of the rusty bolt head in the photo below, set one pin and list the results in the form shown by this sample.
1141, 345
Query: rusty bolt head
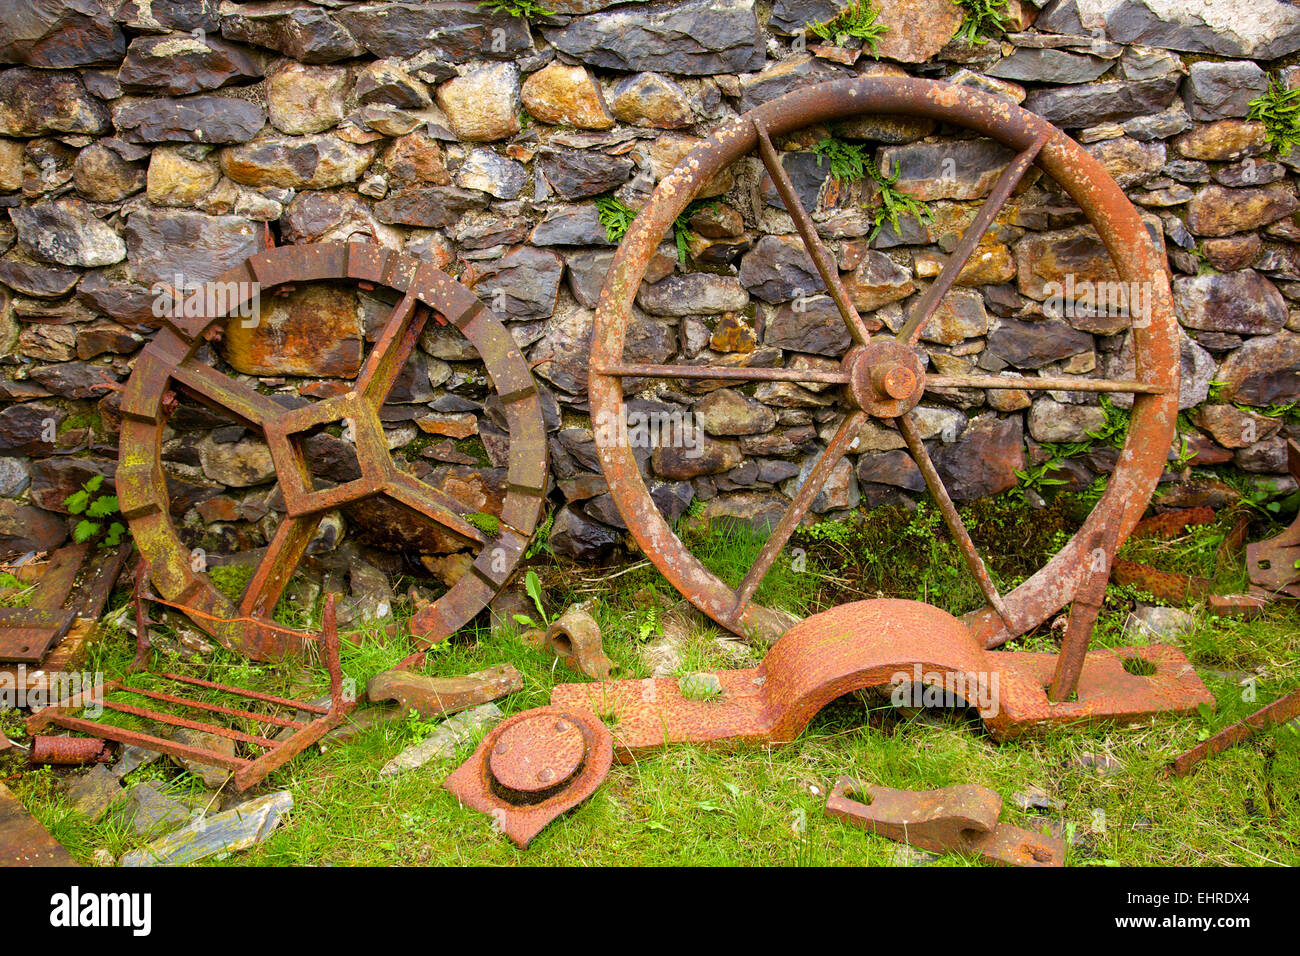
894, 381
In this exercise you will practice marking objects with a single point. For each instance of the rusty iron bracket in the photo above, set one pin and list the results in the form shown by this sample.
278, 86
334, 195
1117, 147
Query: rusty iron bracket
431, 696
1275, 564
533, 767
28, 634
1285, 708
887, 643
574, 637
171, 361
270, 752
960, 819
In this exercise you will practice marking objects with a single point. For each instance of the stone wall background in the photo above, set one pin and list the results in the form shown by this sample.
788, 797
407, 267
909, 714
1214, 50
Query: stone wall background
149, 139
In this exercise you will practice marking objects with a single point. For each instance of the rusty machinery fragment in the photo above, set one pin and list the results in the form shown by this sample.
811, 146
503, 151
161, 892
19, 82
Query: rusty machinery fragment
170, 361
533, 767
960, 819
886, 643
1285, 708
882, 376
28, 634
431, 696
574, 637
273, 736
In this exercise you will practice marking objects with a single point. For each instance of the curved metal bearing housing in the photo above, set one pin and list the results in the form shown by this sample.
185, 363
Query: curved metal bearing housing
533, 767
169, 361
879, 375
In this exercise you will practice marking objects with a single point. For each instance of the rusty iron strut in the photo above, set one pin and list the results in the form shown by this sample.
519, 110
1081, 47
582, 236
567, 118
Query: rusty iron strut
170, 360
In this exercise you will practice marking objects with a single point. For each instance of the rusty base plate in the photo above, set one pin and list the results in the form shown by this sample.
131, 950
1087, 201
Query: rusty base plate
23, 841
533, 767
960, 819
887, 643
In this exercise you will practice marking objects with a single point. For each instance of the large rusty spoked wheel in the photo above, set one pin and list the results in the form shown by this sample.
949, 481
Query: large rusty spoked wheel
170, 361
883, 375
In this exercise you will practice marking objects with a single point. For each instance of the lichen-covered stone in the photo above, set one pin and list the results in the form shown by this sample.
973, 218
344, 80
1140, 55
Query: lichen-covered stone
303, 99
566, 95
483, 105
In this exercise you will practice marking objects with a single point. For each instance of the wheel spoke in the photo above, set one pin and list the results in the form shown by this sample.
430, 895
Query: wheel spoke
830, 273
803, 499
283, 553
1043, 383
223, 392
810, 376
950, 517
930, 299
396, 341
438, 505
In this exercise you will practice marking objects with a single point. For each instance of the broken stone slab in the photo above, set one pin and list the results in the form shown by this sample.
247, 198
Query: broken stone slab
237, 829
133, 758
150, 811
431, 696
1168, 625
92, 794
442, 743
211, 775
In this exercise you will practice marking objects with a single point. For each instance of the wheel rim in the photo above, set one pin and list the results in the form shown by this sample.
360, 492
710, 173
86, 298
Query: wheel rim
169, 360
1035, 141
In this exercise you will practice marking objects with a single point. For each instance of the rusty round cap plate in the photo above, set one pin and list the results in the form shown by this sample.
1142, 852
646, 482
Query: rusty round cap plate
535, 756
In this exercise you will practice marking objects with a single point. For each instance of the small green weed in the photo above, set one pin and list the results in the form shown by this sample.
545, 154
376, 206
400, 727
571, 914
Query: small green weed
857, 21
1279, 110
95, 509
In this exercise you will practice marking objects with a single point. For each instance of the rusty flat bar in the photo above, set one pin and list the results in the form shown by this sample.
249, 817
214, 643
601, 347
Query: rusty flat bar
1283, 709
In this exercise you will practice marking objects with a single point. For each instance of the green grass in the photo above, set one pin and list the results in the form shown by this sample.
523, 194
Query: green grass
761, 805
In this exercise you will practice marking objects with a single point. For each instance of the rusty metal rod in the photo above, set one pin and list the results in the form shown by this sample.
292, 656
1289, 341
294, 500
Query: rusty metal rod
176, 721
826, 266
1055, 384
803, 499
930, 299
916, 447
217, 708
811, 375
250, 694
1272, 715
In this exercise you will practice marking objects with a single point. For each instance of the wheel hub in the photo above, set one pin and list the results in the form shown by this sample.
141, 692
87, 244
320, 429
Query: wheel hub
886, 378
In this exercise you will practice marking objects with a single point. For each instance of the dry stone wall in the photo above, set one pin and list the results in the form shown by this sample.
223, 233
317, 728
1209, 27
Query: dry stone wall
153, 142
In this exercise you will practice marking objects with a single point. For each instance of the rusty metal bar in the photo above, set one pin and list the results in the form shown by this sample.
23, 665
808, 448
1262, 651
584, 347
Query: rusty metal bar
1043, 383
217, 708
252, 695
916, 448
1089, 596
803, 499
930, 299
826, 267
813, 376
176, 721
1283, 709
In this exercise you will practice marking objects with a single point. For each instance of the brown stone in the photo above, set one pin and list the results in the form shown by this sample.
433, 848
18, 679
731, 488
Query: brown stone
296, 162
482, 105
1218, 211
451, 425
1263, 371
175, 179
567, 96
416, 158
316, 330
24, 528
877, 281
1046, 261
1223, 140
303, 99
649, 99
102, 175
916, 29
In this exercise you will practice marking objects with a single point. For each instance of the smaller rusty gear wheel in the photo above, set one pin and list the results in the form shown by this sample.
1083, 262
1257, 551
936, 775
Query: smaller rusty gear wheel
170, 361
